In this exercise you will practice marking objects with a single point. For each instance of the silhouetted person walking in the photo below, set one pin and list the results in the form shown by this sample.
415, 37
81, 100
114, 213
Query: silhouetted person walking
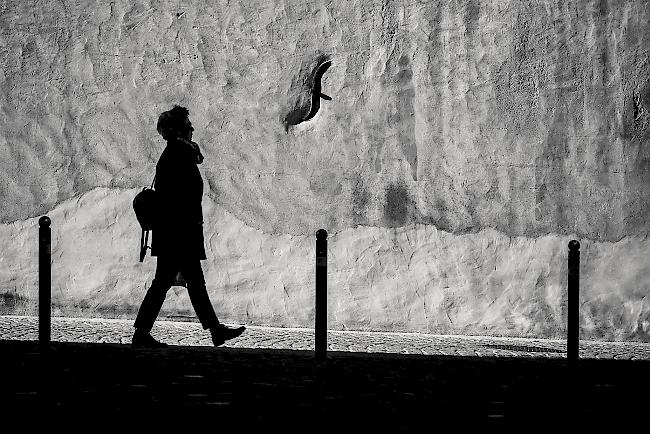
178, 232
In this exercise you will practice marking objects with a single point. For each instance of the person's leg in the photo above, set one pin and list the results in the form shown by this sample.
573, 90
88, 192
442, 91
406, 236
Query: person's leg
193, 275
166, 270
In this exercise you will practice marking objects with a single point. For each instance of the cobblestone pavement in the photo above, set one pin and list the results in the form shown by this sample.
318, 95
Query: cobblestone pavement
114, 331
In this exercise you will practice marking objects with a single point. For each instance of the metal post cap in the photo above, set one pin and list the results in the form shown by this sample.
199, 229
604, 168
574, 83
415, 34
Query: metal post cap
574, 245
321, 234
44, 221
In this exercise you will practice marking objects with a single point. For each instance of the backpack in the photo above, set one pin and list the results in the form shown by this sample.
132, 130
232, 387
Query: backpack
145, 206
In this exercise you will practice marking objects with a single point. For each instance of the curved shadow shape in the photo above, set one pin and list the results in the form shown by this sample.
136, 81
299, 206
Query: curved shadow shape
316, 94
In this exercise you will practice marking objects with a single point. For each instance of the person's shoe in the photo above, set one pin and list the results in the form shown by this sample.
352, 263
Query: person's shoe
145, 340
222, 333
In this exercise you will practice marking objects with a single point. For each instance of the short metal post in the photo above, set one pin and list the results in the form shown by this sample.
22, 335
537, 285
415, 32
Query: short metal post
321, 295
44, 282
573, 326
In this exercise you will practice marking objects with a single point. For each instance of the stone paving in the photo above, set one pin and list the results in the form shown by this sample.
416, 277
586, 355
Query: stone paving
115, 331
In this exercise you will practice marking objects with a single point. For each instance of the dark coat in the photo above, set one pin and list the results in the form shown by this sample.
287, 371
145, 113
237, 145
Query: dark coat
178, 230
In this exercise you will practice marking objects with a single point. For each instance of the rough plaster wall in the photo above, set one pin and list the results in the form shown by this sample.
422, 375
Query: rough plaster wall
473, 122
413, 278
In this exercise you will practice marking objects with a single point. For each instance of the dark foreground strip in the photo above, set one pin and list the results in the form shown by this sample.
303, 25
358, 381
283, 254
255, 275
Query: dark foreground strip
246, 390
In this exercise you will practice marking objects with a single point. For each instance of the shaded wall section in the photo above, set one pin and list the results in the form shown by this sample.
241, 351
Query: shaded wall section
511, 120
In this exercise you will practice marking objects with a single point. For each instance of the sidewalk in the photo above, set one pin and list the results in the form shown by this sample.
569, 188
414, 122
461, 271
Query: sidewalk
268, 379
81, 330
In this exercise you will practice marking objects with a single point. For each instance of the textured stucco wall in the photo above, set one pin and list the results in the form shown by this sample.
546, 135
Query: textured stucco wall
465, 144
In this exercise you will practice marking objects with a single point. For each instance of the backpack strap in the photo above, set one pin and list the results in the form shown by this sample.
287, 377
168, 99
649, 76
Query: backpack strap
144, 241
144, 238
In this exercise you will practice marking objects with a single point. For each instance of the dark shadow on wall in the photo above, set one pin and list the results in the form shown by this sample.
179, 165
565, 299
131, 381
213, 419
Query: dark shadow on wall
396, 207
306, 108
316, 94
12, 303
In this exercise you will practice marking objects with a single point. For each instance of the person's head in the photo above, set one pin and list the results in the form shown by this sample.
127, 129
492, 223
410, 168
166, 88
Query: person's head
175, 123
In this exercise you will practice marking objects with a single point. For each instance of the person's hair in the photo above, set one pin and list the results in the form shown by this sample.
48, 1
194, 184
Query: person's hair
171, 122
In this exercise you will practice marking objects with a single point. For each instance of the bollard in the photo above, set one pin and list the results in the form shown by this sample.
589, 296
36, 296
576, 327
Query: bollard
44, 282
321, 295
573, 300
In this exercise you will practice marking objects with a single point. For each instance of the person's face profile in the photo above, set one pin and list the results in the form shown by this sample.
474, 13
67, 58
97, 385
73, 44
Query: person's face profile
187, 129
